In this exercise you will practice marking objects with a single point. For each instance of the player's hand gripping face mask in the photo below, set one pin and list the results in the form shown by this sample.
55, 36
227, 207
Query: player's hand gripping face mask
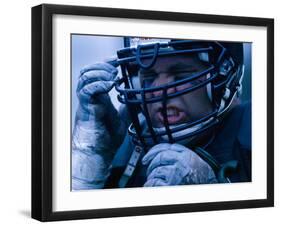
98, 129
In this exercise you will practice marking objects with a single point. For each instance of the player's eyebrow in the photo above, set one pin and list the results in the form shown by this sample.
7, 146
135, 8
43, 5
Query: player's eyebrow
178, 67
147, 71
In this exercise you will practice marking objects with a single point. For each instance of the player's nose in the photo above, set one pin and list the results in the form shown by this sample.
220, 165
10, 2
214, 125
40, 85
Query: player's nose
161, 81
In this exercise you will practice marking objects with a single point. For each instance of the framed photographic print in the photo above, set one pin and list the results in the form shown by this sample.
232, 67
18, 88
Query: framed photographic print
145, 112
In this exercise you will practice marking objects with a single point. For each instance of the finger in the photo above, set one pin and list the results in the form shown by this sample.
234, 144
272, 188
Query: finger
161, 172
154, 183
93, 76
99, 66
92, 89
154, 151
171, 174
159, 148
179, 148
112, 61
163, 159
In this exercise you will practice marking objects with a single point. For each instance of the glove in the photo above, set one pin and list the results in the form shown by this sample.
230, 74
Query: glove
98, 130
174, 164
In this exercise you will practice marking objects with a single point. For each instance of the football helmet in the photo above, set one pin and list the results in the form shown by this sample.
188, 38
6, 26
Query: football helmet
223, 82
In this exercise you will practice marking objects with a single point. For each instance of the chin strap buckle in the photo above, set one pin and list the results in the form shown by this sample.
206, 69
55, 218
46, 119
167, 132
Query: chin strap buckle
131, 166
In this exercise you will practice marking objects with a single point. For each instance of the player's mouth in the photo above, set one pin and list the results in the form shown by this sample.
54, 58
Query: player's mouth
174, 115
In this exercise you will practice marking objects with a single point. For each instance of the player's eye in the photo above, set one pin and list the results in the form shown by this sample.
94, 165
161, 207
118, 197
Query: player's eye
183, 75
147, 81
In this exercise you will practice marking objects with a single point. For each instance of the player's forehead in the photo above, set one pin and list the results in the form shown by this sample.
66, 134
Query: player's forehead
176, 62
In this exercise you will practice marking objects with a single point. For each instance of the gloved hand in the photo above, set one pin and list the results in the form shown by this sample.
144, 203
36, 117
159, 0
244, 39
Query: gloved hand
98, 130
174, 164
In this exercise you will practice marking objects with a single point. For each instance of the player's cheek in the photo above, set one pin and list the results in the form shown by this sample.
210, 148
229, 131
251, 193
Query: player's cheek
148, 95
183, 87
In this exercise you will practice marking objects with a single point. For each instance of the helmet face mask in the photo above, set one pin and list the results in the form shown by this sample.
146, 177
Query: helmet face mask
219, 76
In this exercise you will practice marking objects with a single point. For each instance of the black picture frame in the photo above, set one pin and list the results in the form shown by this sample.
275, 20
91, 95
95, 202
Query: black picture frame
42, 107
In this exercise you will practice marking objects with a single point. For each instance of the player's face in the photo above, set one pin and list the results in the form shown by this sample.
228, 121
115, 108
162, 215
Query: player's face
185, 108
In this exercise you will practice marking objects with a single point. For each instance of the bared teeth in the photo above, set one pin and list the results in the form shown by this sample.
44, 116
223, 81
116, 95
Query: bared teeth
172, 112
173, 115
